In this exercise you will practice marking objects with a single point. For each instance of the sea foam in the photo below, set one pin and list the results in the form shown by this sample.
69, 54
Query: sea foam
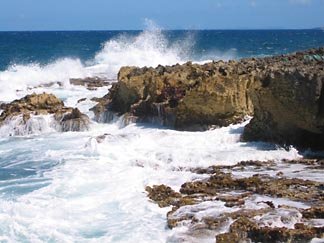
149, 48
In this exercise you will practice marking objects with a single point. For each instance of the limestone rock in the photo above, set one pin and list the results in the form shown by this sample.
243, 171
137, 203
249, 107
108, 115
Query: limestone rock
285, 93
189, 96
288, 100
69, 119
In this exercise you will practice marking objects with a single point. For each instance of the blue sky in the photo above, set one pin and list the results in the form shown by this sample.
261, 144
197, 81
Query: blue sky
169, 14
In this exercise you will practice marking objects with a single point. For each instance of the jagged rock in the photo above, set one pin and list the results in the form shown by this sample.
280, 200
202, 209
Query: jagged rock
238, 231
314, 212
279, 187
74, 121
69, 119
234, 203
285, 93
300, 234
244, 230
188, 96
90, 83
165, 196
101, 112
288, 100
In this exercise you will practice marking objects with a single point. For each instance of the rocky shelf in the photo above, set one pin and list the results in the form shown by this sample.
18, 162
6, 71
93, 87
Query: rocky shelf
264, 207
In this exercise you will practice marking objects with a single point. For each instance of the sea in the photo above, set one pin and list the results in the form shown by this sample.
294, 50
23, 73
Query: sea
68, 187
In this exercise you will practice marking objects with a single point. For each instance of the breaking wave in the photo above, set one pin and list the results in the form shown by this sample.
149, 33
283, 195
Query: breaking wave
149, 48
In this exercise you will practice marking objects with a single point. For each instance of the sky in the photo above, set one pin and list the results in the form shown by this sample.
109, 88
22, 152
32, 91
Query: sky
169, 14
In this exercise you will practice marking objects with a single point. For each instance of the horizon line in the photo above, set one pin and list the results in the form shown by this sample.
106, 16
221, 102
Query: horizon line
205, 29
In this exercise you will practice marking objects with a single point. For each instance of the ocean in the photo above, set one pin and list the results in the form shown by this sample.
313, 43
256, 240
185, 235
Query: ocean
67, 187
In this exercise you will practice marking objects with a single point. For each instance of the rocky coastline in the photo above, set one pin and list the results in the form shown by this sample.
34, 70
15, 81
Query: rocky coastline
285, 96
283, 93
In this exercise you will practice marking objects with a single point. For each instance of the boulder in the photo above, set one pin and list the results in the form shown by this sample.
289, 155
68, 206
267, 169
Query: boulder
68, 119
186, 97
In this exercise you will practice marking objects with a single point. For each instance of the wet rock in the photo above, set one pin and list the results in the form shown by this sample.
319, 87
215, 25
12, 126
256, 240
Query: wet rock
261, 165
81, 100
164, 196
74, 121
316, 212
311, 163
37, 104
90, 83
102, 138
300, 234
224, 201
245, 230
101, 111
280, 187
69, 119
186, 97
238, 231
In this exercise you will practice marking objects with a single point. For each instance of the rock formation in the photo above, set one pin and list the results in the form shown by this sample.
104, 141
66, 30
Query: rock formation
188, 96
242, 209
285, 93
289, 100
69, 119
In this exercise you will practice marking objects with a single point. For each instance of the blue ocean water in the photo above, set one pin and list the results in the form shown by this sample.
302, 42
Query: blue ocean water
45, 47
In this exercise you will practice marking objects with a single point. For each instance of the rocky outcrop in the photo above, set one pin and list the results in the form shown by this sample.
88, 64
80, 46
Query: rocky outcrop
235, 208
285, 93
188, 96
68, 119
288, 100
73, 121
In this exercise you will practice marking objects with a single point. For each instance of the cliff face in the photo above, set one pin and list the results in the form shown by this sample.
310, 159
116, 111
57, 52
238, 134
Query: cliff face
189, 96
289, 100
284, 93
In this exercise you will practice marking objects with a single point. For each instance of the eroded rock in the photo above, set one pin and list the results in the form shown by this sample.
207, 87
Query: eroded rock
189, 96
285, 93
68, 119
288, 100
225, 201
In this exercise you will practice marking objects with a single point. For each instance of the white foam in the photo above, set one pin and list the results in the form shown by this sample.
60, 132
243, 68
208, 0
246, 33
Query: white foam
149, 48
96, 192
17, 79
16, 126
